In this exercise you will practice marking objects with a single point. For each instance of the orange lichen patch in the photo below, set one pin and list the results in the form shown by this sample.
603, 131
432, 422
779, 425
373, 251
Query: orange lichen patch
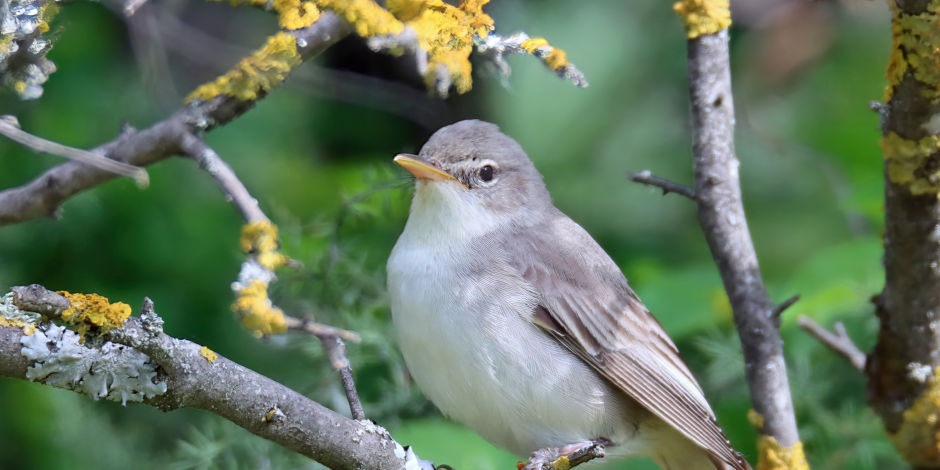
910, 162
703, 16
28, 328
93, 312
255, 75
260, 240
554, 58
257, 312
209, 354
918, 438
773, 456
915, 48
365, 16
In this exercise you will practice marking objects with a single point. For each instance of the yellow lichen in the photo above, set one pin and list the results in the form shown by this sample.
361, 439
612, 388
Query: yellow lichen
260, 240
915, 49
703, 16
366, 17
910, 162
257, 312
756, 419
256, 74
28, 328
209, 354
556, 59
447, 33
773, 456
562, 463
93, 312
296, 14
46, 13
918, 438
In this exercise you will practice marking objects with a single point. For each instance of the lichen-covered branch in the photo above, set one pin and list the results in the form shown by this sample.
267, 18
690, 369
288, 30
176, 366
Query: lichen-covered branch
902, 369
721, 215
137, 361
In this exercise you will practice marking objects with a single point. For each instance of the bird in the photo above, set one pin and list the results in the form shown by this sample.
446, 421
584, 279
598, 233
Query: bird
515, 322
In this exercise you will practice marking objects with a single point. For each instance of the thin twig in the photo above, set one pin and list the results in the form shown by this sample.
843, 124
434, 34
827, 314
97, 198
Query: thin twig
778, 310
839, 342
332, 340
646, 177
234, 189
321, 330
12, 131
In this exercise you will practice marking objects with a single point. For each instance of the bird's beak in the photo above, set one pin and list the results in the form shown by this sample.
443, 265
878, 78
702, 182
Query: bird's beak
424, 169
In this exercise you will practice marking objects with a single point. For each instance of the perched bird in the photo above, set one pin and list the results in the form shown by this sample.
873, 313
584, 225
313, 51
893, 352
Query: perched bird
516, 323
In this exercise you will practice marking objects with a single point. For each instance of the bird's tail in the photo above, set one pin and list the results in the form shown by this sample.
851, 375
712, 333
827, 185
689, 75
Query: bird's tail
683, 454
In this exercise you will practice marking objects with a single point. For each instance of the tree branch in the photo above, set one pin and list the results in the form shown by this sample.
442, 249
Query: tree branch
248, 399
646, 177
45, 194
721, 215
839, 342
12, 131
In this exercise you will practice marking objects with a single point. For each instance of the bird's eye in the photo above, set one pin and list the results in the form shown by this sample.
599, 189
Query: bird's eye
486, 173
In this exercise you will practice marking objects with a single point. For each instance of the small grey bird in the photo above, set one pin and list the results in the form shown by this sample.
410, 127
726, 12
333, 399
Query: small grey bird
516, 323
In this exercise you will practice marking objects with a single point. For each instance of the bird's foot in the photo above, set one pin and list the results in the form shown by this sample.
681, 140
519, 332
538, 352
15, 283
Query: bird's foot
565, 457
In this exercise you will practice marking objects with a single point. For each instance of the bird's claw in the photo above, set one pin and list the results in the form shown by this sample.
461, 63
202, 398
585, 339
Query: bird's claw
565, 457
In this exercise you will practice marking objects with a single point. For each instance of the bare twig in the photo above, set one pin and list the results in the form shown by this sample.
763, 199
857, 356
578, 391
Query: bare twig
227, 389
12, 131
839, 342
234, 189
646, 177
144, 147
332, 340
321, 330
779, 309
721, 215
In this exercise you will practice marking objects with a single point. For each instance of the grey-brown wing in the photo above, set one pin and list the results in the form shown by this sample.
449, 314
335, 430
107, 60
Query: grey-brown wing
589, 307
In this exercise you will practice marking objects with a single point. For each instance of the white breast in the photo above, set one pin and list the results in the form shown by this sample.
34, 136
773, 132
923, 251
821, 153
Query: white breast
468, 344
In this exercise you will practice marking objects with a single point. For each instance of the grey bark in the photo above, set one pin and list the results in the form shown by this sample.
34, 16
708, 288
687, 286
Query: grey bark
721, 215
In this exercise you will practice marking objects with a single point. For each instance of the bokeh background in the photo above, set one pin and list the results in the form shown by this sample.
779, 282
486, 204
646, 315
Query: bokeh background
317, 153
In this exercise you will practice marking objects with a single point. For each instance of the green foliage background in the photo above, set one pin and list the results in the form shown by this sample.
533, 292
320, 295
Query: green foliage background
319, 158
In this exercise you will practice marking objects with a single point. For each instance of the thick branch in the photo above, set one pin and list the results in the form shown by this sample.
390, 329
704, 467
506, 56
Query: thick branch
45, 194
839, 342
721, 214
246, 398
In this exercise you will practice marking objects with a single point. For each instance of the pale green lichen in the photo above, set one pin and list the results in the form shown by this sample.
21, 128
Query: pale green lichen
915, 49
918, 438
910, 162
10, 315
704, 16
111, 371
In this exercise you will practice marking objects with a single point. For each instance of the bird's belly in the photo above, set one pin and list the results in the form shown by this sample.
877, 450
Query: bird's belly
476, 356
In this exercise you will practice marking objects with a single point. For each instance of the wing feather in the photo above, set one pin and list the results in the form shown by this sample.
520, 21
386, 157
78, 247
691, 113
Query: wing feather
587, 305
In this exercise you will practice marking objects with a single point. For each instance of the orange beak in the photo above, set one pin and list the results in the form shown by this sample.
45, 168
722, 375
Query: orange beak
423, 169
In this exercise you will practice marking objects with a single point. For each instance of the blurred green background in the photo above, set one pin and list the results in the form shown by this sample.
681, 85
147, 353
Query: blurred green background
317, 153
